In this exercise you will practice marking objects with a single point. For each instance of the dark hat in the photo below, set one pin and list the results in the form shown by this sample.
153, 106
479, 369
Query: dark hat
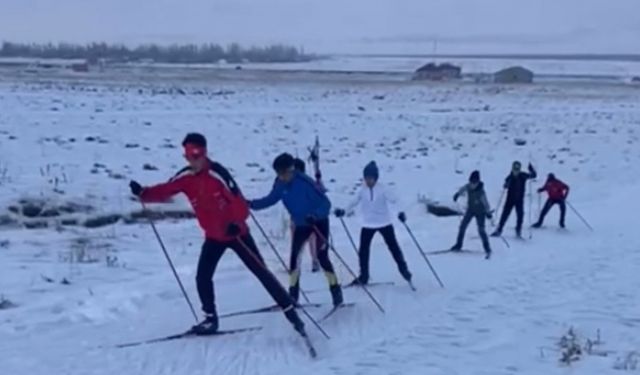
516, 165
551, 177
283, 162
371, 171
474, 177
195, 139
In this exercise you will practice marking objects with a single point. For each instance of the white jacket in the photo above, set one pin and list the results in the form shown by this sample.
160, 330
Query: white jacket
374, 205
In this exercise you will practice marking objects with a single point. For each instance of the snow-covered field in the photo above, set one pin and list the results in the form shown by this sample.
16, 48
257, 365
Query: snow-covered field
71, 293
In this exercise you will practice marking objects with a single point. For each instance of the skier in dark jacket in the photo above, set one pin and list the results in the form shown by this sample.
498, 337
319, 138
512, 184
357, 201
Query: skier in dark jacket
558, 192
309, 208
221, 211
478, 208
515, 183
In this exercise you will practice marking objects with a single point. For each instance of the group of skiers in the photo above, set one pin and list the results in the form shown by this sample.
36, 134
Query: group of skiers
515, 187
222, 211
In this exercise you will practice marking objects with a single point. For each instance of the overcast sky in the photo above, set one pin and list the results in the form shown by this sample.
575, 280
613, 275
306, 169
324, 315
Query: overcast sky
342, 26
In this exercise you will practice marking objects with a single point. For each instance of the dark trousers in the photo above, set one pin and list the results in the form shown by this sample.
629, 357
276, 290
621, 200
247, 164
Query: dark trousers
300, 235
389, 236
480, 220
506, 211
547, 206
248, 252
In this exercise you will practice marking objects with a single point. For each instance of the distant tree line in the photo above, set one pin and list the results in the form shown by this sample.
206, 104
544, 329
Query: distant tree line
175, 53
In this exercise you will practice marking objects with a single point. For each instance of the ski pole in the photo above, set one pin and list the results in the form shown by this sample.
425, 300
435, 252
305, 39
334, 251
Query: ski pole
423, 254
506, 243
265, 269
346, 229
166, 254
530, 209
275, 251
493, 223
580, 216
539, 204
325, 240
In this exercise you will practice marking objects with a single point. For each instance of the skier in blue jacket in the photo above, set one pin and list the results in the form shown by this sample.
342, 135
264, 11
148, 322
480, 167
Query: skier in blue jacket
309, 208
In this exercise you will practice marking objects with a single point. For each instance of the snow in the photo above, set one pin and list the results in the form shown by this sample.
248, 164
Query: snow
502, 316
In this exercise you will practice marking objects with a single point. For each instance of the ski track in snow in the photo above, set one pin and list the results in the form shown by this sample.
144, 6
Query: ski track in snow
501, 316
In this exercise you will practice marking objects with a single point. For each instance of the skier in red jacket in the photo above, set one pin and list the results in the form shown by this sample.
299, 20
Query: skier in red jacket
558, 192
221, 211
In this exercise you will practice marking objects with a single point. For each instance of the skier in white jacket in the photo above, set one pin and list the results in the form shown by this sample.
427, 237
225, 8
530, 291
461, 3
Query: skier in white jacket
374, 201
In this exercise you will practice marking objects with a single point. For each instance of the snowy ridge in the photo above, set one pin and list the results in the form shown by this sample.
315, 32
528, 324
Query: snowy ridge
501, 316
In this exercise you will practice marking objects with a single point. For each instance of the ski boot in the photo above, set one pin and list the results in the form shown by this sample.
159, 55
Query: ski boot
562, 225
497, 233
456, 248
519, 233
293, 317
537, 225
294, 293
406, 275
487, 254
358, 281
208, 326
336, 295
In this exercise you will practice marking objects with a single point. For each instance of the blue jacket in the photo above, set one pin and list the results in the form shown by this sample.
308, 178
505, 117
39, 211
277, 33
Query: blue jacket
300, 196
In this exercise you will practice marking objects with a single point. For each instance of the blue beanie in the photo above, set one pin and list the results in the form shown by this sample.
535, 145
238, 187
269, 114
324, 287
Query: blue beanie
371, 170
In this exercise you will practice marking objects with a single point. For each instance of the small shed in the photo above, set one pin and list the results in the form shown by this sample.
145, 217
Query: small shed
82, 67
514, 74
437, 72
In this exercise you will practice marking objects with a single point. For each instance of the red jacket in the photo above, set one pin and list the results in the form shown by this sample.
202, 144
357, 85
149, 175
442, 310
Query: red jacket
556, 189
214, 204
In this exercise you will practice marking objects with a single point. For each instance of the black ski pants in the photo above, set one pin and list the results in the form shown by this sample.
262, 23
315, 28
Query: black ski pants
246, 249
480, 220
300, 236
389, 236
547, 206
509, 205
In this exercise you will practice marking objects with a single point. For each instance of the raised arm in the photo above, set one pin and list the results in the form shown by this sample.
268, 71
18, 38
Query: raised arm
532, 173
274, 197
164, 191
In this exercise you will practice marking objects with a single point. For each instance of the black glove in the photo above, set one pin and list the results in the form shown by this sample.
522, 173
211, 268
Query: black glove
455, 197
540, 190
339, 212
233, 230
530, 167
489, 215
311, 220
136, 188
402, 217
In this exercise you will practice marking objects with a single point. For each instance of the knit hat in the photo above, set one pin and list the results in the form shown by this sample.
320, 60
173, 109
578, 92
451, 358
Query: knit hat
474, 177
516, 165
371, 171
283, 162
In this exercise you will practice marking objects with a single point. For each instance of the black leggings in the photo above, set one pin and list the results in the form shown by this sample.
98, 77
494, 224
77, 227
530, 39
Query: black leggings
248, 252
506, 211
389, 236
300, 236
547, 206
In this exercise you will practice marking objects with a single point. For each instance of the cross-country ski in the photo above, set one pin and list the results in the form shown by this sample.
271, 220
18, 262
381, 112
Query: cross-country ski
187, 334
